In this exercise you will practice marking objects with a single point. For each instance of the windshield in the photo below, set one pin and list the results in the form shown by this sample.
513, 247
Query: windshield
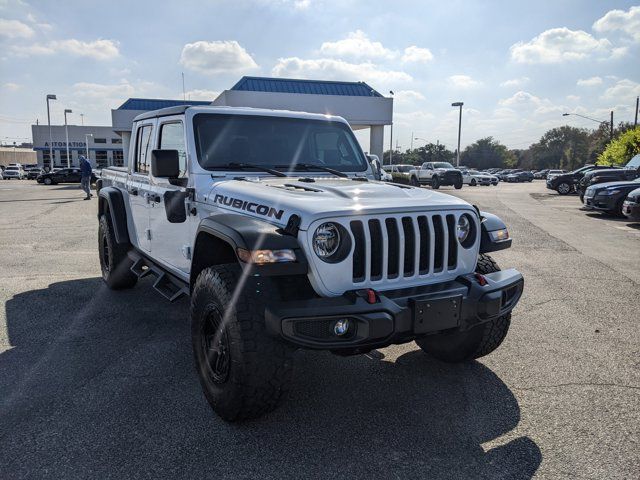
14, 169
442, 165
275, 142
404, 168
634, 162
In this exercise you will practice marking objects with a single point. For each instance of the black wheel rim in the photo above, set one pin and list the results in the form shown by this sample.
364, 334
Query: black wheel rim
215, 347
104, 250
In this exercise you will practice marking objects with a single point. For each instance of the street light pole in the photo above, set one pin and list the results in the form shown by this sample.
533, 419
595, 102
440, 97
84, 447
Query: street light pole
50, 97
601, 122
86, 143
412, 141
458, 104
390, 138
611, 127
66, 131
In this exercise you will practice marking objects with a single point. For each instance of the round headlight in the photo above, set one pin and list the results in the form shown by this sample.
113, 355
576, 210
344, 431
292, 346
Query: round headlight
463, 228
326, 240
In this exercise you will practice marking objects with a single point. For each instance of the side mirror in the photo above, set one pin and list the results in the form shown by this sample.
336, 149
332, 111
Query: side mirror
375, 165
165, 164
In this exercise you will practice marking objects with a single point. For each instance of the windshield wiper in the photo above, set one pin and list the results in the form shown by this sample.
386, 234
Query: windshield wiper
311, 166
245, 166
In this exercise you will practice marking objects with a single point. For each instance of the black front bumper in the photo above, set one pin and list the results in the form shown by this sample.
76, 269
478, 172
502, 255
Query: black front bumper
396, 316
605, 203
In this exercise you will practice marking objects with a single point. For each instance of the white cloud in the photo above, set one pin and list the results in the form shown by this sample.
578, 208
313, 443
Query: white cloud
301, 4
100, 92
623, 91
515, 82
331, 69
415, 54
464, 81
562, 44
619, 20
15, 29
198, 94
11, 86
408, 97
97, 49
356, 45
226, 56
573, 98
589, 82
522, 100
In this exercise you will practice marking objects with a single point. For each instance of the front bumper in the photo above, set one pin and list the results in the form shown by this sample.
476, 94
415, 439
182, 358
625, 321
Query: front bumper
396, 316
631, 210
600, 202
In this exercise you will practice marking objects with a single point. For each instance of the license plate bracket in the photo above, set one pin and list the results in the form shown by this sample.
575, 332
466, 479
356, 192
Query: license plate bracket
431, 315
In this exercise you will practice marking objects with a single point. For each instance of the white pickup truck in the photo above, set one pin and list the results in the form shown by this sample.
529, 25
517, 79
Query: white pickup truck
436, 174
272, 223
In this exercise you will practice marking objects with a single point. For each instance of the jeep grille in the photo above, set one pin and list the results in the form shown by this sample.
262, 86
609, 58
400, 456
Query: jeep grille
407, 246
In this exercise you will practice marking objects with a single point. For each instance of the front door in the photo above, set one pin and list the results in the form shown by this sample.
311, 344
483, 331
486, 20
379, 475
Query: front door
139, 187
168, 216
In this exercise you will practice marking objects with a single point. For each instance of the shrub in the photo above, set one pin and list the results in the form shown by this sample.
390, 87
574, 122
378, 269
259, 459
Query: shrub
622, 149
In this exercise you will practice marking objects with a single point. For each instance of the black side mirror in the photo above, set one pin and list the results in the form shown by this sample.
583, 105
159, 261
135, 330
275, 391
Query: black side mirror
165, 164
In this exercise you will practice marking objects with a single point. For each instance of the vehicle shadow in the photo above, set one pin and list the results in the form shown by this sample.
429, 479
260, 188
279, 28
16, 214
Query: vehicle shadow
98, 383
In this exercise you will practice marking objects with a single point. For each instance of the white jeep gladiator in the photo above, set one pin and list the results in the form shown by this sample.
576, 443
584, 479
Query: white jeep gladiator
436, 174
273, 224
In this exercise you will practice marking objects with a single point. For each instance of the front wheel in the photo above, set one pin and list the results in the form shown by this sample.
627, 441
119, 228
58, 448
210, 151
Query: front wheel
415, 182
435, 183
473, 182
47, 181
244, 373
463, 346
564, 188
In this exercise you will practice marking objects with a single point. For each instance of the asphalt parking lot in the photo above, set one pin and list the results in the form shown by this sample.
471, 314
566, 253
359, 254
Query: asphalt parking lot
101, 384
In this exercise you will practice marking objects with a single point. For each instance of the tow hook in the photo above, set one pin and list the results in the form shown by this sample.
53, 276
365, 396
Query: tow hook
369, 295
482, 280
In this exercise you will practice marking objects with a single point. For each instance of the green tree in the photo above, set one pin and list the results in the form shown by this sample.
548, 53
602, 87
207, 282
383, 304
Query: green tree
622, 149
487, 153
563, 147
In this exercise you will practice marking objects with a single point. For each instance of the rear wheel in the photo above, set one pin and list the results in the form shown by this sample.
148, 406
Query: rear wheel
435, 183
47, 181
415, 182
473, 182
114, 261
458, 185
457, 346
243, 371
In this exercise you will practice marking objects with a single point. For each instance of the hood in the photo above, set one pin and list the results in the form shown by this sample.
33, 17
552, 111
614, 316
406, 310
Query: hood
276, 199
627, 183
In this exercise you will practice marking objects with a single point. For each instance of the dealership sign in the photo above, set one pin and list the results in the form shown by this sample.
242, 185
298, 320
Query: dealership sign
64, 144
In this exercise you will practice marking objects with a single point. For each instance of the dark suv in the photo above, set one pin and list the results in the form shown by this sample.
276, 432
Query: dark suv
609, 197
566, 183
64, 175
607, 174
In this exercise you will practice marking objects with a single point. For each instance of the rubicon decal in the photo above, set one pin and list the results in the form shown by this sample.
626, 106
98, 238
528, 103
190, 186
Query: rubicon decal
252, 207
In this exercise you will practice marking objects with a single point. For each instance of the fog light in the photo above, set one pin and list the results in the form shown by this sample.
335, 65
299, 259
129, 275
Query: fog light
341, 327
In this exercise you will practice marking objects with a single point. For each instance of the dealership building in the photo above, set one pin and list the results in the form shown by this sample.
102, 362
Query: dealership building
358, 103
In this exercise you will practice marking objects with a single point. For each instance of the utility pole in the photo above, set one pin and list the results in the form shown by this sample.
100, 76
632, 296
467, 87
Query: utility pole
50, 97
635, 122
611, 127
391, 138
458, 104
412, 141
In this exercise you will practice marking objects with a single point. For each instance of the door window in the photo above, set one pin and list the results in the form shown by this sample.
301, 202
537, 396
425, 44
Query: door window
143, 149
172, 138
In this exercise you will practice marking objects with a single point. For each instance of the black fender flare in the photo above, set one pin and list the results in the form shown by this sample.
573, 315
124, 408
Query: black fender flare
111, 197
248, 233
490, 223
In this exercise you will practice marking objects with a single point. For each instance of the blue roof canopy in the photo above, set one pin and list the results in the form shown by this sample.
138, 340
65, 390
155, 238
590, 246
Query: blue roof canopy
156, 104
312, 87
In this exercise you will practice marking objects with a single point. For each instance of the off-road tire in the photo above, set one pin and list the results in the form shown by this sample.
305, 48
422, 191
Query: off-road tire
457, 346
563, 190
435, 183
115, 264
458, 185
258, 367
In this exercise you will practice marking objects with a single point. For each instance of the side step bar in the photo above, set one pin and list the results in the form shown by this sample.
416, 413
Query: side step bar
169, 286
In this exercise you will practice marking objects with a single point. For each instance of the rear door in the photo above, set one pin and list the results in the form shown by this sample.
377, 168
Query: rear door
168, 216
139, 187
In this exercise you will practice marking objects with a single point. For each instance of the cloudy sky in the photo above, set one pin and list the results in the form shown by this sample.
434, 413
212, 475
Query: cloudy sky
516, 65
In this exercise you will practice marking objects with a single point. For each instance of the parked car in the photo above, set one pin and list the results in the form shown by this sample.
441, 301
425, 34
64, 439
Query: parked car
474, 177
436, 174
609, 197
566, 183
63, 175
520, 176
400, 172
385, 176
14, 172
631, 206
33, 172
541, 174
608, 174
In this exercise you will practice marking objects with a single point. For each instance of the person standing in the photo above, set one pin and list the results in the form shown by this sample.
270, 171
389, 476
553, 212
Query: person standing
85, 177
